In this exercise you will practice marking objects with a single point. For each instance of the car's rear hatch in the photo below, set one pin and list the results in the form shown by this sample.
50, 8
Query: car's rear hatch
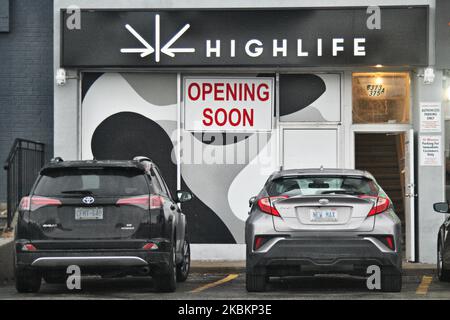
323, 202
325, 213
90, 207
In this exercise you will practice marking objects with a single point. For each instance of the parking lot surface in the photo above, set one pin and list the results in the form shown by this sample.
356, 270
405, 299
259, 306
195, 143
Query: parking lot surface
232, 287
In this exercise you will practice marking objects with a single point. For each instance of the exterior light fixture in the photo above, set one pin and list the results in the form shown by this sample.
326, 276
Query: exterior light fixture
428, 75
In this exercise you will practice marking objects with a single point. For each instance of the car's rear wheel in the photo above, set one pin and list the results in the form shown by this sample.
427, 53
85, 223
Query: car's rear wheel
442, 271
185, 265
27, 281
167, 280
391, 280
255, 282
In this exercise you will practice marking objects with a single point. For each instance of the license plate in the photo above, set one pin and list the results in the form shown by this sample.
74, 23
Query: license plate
88, 213
323, 215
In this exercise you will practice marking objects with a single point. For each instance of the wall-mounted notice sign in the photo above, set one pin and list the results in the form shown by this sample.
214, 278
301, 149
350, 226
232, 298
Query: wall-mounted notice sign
430, 149
228, 104
430, 117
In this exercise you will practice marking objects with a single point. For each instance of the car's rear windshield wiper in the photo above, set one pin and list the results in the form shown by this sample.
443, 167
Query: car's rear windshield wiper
89, 192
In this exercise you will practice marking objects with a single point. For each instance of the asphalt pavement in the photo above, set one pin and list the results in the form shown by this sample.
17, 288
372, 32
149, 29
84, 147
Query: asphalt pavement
231, 286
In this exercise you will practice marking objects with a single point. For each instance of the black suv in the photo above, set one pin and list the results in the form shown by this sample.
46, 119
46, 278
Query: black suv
110, 218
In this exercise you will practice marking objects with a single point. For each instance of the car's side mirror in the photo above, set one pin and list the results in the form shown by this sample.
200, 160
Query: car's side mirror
441, 207
183, 196
251, 201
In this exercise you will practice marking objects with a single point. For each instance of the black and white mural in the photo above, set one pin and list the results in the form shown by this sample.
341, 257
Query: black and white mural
310, 97
130, 114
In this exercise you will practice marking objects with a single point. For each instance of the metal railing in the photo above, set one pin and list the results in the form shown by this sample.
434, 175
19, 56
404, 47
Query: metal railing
24, 161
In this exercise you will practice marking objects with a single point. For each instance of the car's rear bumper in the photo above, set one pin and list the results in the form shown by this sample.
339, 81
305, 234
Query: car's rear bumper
95, 261
293, 256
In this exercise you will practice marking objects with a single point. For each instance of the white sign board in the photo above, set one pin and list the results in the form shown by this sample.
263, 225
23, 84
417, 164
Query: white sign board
228, 104
430, 149
430, 117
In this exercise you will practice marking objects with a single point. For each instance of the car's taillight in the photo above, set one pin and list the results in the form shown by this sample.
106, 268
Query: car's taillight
390, 242
267, 205
24, 204
28, 247
145, 202
259, 241
36, 202
150, 246
381, 204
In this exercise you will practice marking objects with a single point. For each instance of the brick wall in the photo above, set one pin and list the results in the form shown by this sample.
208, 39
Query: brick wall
26, 78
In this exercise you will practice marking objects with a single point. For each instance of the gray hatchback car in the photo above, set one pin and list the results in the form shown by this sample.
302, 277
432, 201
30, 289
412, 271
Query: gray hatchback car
322, 221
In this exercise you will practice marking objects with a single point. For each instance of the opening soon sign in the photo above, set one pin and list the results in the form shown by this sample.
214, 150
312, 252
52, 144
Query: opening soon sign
228, 104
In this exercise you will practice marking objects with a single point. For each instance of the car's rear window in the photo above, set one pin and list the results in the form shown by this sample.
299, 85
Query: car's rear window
95, 181
322, 185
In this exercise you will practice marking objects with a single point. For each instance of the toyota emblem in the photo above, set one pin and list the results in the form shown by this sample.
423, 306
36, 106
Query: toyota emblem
88, 200
324, 201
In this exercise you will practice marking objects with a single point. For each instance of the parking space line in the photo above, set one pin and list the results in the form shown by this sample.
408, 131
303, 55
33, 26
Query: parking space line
424, 284
228, 278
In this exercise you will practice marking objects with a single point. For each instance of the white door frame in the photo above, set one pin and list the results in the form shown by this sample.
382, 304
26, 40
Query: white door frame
388, 128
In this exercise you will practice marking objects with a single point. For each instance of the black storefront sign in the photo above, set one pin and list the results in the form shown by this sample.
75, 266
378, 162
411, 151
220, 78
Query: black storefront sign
262, 37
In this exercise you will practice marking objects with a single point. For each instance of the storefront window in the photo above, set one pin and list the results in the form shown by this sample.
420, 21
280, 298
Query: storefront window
381, 97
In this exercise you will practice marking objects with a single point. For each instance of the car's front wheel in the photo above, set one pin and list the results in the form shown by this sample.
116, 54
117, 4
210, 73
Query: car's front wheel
184, 266
27, 281
166, 281
442, 271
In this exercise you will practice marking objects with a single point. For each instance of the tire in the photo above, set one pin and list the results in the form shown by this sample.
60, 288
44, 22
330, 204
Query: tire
255, 282
442, 272
391, 280
166, 281
27, 281
185, 265
54, 278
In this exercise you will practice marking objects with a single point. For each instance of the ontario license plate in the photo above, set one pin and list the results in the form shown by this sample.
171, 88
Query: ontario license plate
323, 215
88, 213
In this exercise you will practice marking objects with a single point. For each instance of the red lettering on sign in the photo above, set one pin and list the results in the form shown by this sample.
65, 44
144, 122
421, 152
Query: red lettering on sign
235, 122
207, 89
220, 91
219, 112
207, 114
248, 117
235, 117
263, 95
192, 97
